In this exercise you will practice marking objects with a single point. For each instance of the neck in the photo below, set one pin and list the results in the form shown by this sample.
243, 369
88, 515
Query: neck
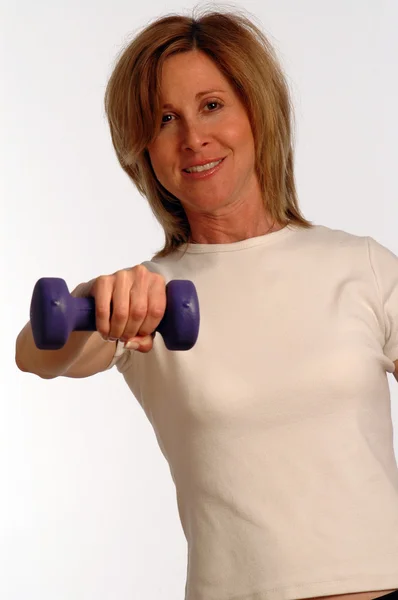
227, 237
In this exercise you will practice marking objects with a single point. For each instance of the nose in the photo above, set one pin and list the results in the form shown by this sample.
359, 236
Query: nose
194, 136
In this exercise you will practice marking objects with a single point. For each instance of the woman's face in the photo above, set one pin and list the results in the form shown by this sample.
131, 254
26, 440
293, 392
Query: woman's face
204, 120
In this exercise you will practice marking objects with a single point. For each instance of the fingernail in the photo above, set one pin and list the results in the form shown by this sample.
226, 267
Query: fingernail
132, 345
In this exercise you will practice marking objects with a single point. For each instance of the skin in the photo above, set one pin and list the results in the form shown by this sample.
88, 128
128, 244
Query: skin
228, 206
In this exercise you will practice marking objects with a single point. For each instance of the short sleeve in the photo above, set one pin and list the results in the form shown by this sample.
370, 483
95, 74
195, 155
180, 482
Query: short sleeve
120, 358
384, 264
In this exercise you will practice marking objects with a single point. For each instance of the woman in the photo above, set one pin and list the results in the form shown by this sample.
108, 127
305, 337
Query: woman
281, 455
276, 425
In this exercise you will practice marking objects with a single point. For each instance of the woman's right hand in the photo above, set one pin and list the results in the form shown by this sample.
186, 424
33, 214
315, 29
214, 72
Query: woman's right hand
138, 299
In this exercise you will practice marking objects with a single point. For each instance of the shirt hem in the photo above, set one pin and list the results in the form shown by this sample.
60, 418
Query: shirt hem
351, 585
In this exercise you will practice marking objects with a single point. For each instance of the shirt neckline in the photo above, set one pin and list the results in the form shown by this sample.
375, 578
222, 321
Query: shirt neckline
260, 240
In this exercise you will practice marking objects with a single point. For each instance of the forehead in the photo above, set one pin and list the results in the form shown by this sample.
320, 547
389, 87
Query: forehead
187, 71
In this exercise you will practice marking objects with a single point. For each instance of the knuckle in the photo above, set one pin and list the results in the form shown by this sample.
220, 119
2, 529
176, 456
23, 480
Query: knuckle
138, 311
157, 311
158, 276
120, 313
141, 270
101, 311
145, 350
103, 279
122, 274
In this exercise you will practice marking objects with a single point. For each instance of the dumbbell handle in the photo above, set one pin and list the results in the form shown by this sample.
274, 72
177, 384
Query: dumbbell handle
84, 313
54, 314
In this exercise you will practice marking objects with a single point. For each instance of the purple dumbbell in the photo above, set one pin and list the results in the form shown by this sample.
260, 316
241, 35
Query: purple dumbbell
54, 314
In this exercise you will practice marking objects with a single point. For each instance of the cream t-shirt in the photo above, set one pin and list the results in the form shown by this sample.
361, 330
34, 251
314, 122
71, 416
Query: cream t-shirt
277, 423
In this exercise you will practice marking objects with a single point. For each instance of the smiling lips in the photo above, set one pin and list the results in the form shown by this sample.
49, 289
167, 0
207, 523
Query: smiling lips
202, 163
203, 169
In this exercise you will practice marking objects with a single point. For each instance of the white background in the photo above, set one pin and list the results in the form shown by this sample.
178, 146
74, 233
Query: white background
87, 504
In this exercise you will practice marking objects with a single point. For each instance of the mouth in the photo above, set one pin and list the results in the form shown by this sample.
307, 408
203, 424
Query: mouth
204, 171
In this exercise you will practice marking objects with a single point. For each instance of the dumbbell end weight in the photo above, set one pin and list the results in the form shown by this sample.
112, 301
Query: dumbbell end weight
54, 313
179, 327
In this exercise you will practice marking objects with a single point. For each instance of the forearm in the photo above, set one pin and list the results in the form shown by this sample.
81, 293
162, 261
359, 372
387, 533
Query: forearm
50, 363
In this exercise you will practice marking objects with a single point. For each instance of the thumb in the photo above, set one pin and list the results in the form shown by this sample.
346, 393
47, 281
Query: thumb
145, 342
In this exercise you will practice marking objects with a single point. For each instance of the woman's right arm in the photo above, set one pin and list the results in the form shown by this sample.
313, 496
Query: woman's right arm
84, 354
139, 303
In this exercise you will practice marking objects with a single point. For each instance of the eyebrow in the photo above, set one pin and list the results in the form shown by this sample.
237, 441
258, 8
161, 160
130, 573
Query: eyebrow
197, 97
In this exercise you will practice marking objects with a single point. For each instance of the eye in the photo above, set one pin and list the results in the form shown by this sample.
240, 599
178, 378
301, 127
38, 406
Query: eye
212, 102
165, 122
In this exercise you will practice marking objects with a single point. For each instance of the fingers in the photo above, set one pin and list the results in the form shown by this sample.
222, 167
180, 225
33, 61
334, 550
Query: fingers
102, 291
147, 305
130, 305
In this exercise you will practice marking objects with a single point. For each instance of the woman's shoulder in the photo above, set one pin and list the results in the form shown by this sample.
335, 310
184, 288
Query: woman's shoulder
334, 237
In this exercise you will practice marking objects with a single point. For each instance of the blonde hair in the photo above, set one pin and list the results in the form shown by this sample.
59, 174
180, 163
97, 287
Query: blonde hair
246, 58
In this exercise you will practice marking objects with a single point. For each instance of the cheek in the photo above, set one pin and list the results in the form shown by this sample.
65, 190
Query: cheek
247, 134
162, 167
242, 142
159, 161
239, 134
